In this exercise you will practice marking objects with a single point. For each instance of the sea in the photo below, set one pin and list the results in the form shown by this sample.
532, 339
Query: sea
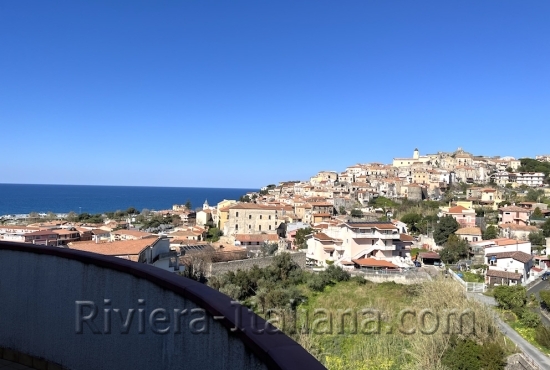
22, 199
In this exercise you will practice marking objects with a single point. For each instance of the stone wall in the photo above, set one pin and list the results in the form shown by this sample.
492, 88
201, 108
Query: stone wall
219, 268
518, 362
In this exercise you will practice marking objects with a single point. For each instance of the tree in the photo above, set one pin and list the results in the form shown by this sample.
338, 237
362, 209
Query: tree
72, 216
537, 238
546, 228
51, 216
244, 199
342, 210
490, 232
34, 216
132, 211
412, 220
188, 204
446, 226
300, 237
454, 250
534, 195
511, 297
537, 213
356, 213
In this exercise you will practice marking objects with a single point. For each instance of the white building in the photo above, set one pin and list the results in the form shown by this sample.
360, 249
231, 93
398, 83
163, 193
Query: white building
346, 242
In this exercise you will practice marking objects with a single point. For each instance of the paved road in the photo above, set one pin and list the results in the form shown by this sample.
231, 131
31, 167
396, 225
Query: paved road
528, 349
535, 289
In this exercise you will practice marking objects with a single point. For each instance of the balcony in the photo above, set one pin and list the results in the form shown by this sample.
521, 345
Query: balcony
68, 309
375, 236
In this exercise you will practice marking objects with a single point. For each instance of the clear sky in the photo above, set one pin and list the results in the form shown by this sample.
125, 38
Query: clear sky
246, 93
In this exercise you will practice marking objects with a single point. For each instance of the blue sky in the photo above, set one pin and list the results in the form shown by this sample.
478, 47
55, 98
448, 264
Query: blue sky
246, 93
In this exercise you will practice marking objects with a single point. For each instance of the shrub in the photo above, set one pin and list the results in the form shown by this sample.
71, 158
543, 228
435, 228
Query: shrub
359, 280
317, 282
530, 318
336, 274
542, 336
511, 297
492, 357
462, 355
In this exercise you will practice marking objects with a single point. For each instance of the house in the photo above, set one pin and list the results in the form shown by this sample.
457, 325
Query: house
470, 234
255, 239
66, 236
129, 235
514, 215
464, 216
372, 264
250, 218
429, 258
39, 237
514, 231
509, 268
349, 241
203, 217
153, 251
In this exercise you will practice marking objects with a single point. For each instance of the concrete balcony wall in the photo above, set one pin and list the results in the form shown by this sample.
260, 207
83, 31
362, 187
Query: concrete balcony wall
39, 316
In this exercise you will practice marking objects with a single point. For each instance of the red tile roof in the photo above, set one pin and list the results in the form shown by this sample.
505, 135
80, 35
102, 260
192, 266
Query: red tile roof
371, 262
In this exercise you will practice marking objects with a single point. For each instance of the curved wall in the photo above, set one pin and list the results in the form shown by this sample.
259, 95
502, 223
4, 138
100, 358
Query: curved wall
48, 296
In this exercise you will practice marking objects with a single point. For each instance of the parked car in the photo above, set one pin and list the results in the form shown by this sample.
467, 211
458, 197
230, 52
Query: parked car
545, 275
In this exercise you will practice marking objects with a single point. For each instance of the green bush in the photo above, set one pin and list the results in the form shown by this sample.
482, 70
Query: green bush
336, 274
530, 318
542, 336
359, 280
317, 282
469, 355
510, 297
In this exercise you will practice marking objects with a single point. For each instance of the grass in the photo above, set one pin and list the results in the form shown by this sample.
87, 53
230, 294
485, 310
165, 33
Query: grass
526, 332
387, 347
470, 277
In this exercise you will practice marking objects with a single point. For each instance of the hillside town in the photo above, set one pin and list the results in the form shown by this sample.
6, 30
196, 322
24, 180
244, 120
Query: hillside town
388, 218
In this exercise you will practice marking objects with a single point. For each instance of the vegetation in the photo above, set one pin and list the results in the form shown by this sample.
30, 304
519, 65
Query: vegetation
491, 232
356, 213
447, 225
297, 301
454, 249
537, 238
300, 237
213, 234
546, 228
532, 165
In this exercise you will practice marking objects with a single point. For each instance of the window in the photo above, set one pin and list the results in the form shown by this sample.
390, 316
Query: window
260, 217
269, 227
250, 217
236, 226
260, 228
270, 217
249, 227
237, 214
372, 242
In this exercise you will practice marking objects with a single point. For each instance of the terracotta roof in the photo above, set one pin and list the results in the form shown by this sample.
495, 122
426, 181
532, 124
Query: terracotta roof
371, 262
516, 227
518, 256
405, 238
135, 233
346, 263
503, 274
458, 209
256, 237
376, 225
513, 209
429, 255
123, 247
469, 231
322, 237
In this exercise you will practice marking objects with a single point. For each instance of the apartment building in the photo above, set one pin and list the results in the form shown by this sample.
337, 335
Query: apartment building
341, 244
251, 218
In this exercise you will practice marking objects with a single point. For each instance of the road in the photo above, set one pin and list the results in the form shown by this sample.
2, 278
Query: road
528, 349
535, 289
